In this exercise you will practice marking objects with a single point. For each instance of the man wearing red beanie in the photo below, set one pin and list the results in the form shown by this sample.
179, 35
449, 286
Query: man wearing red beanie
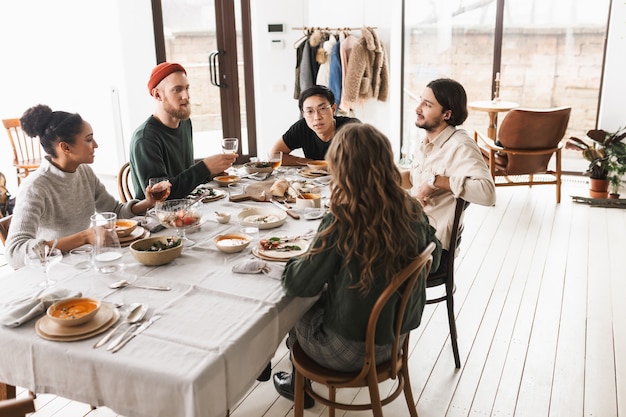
163, 145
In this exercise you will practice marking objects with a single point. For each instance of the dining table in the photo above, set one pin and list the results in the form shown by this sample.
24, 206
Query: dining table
217, 329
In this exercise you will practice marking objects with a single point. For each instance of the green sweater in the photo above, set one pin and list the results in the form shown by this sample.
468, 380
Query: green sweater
160, 151
346, 310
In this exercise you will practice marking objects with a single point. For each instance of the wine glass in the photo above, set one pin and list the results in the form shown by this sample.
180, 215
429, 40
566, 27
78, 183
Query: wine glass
180, 214
230, 145
42, 258
275, 159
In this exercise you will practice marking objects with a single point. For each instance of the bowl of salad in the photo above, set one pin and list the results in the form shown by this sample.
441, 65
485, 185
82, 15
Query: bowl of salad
155, 251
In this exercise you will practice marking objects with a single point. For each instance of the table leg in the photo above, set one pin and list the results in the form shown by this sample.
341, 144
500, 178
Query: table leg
491, 130
7, 391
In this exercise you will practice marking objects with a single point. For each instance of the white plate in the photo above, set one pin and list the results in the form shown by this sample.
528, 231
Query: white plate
263, 218
274, 254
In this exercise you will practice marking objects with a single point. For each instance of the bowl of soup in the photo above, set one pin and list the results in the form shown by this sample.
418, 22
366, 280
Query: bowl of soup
232, 242
226, 180
73, 311
317, 165
125, 227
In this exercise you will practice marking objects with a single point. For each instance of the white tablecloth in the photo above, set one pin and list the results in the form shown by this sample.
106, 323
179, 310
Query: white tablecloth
217, 332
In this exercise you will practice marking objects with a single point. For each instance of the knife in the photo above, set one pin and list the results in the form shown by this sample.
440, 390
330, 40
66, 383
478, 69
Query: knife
289, 212
135, 333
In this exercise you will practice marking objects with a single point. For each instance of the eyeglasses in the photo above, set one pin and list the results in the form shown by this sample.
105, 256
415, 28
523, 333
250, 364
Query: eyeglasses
320, 110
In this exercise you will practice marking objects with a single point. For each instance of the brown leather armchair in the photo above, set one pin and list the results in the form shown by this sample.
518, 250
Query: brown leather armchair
527, 139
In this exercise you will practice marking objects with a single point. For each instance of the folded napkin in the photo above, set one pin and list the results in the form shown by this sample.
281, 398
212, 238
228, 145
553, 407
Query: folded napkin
17, 313
255, 266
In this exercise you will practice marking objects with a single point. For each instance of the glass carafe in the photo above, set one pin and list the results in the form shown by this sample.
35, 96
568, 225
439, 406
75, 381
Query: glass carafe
107, 254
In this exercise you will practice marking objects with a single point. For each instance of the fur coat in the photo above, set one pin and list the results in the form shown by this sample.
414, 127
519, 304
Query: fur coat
367, 75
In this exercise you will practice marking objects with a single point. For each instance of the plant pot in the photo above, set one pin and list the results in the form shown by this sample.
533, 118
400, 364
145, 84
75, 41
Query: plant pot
598, 188
614, 196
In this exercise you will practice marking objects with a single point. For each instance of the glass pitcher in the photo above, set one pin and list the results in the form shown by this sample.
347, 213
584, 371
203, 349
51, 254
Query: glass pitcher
107, 254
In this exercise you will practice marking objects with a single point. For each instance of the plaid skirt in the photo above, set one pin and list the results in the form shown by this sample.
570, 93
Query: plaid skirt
329, 349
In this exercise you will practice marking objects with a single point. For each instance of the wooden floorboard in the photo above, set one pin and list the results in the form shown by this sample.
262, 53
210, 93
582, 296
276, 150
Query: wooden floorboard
541, 318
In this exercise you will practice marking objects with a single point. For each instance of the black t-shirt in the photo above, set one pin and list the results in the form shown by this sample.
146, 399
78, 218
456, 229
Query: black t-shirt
300, 135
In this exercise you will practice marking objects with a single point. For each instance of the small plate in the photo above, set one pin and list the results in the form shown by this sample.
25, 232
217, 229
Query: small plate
217, 194
274, 255
314, 214
135, 234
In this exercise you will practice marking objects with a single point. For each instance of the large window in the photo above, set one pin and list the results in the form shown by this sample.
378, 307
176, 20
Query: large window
551, 55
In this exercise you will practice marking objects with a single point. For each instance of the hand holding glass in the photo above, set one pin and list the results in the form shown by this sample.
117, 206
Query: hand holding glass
158, 187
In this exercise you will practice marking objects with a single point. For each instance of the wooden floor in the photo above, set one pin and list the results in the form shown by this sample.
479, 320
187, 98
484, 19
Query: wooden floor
541, 317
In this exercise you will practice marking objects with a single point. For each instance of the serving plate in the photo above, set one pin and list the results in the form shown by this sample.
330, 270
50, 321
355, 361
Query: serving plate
263, 218
217, 194
105, 318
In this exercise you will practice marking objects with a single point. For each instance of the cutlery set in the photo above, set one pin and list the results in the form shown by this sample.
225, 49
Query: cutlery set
139, 319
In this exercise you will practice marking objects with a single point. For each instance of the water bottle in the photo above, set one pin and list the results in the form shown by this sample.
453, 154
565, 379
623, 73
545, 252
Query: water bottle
107, 254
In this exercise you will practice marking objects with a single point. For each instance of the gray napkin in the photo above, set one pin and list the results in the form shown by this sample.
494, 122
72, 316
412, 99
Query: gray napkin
17, 313
256, 266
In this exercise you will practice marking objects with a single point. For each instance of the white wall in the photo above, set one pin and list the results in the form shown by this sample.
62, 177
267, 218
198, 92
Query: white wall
274, 69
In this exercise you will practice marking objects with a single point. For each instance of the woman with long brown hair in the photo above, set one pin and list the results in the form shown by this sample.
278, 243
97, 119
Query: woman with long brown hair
374, 229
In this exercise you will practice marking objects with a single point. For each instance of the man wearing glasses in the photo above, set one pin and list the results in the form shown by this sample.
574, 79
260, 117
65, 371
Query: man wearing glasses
314, 131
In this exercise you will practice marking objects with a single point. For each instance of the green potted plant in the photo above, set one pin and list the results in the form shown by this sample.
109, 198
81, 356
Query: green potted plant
607, 159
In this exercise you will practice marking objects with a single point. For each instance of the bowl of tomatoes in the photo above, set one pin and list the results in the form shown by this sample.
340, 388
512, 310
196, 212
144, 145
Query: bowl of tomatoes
182, 213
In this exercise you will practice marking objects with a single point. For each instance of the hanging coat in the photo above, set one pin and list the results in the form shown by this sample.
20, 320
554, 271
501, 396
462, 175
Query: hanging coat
367, 74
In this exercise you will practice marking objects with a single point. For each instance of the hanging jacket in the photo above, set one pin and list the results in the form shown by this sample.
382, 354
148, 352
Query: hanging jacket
367, 74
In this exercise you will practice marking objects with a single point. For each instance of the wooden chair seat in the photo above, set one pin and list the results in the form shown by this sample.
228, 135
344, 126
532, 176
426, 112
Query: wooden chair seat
370, 374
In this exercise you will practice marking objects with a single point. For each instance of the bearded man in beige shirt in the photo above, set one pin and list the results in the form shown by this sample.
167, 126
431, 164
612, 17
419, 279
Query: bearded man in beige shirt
447, 164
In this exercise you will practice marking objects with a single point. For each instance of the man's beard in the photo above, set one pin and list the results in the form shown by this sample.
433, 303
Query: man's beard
180, 113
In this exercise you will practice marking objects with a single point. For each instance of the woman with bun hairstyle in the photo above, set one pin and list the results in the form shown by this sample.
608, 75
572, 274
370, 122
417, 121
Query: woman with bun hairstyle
57, 200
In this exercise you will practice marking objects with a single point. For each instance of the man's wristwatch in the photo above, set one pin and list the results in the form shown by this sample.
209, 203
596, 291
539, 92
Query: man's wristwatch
431, 181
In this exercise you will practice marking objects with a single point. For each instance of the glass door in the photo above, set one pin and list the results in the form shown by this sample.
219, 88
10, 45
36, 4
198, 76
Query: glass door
211, 40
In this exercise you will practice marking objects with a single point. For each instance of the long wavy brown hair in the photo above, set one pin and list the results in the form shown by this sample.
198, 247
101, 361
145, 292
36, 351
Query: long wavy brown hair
372, 212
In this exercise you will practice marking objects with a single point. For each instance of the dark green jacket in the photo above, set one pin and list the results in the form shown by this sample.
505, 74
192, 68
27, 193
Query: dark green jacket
346, 310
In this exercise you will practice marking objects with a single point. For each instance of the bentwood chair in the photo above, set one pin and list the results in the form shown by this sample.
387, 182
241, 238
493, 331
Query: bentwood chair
397, 293
445, 279
26, 150
527, 139
123, 183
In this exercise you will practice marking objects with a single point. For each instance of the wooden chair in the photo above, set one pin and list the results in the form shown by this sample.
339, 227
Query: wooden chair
5, 222
123, 183
17, 407
446, 278
371, 374
527, 140
26, 150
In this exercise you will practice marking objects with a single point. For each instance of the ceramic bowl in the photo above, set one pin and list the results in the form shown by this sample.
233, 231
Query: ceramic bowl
141, 250
256, 167
223, 218
125, 227
317, 165
232, 242
73, 311
225, 180
263, 218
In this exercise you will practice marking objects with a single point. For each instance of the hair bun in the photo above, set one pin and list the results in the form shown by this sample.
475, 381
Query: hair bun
35, 120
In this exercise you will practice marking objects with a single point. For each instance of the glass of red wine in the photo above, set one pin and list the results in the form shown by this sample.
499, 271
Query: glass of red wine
158, 187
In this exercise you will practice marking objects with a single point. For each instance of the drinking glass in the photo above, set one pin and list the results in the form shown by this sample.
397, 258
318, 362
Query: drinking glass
107, 253
158, 186
44, 260
230, 145
275, 159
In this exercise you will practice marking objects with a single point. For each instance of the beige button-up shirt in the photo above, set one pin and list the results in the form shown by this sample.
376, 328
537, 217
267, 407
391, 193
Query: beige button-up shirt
453, 154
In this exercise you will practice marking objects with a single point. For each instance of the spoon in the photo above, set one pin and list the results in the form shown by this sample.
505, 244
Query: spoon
124, 283
134, 318
137, 310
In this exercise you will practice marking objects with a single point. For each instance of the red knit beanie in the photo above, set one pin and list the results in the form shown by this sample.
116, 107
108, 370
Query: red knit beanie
161, 71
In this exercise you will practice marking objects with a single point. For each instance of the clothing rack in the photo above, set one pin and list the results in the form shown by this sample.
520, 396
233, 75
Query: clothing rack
326, 28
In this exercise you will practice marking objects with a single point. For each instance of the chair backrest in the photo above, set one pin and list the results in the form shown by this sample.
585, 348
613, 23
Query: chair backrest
5, 222
123, 184
402, 283
530, 129
17, 407
25, 148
